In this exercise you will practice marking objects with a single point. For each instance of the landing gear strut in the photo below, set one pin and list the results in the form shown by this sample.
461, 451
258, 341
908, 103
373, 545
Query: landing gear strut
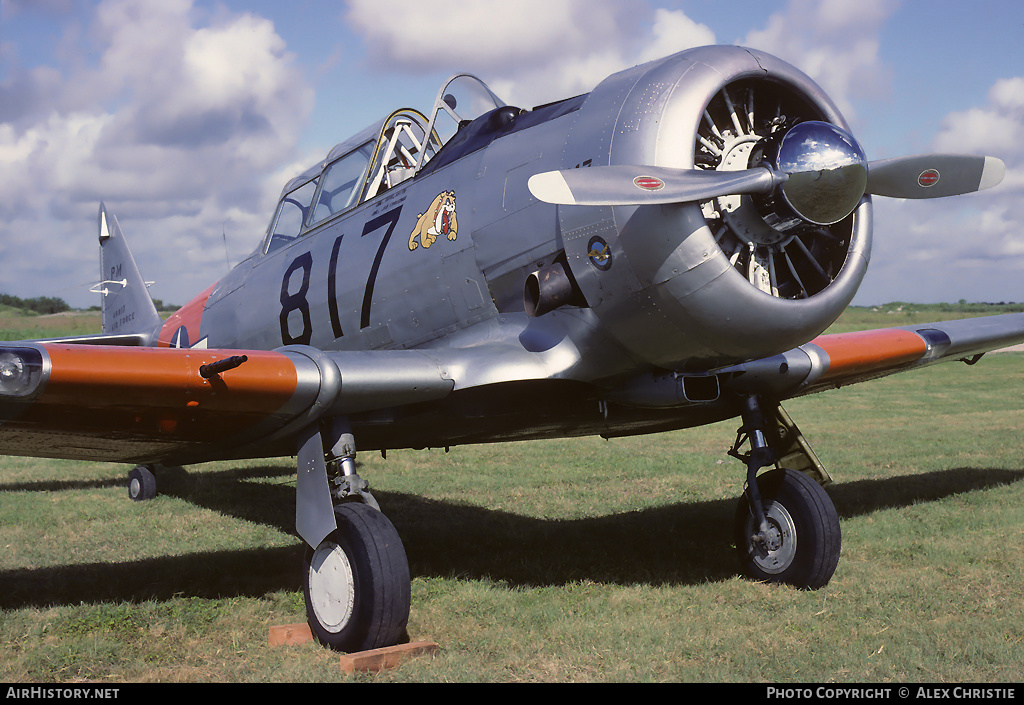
786, 527
356, 575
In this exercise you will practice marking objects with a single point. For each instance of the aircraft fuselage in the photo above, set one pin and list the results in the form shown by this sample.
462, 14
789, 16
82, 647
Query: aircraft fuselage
439, 260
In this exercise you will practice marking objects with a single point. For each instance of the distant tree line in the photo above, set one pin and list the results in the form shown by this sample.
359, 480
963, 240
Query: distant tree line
161, 306
983, 306
961, 306
40, 304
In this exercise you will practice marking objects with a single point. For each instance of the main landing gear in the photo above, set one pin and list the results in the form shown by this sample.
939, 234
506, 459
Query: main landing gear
786, 528
357, 582
356, 575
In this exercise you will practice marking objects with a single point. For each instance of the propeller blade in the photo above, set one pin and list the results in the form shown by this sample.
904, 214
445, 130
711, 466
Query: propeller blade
645, 185
933, 175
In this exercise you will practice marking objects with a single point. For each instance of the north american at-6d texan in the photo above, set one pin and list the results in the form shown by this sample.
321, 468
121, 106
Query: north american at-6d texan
660, 253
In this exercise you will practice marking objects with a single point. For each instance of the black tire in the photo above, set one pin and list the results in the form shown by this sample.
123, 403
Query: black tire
356, 583
804, 527
141, 484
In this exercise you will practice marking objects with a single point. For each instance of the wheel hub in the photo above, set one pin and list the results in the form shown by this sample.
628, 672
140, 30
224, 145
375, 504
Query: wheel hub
771, 539
774, 549
331, 586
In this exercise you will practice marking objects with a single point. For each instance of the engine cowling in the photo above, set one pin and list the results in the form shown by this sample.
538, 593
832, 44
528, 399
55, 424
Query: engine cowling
735, 277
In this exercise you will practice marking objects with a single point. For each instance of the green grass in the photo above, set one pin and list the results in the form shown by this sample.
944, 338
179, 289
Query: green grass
906, 314
577, 560
18, 324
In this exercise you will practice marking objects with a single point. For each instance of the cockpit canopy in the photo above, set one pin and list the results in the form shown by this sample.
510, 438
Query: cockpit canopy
376, 159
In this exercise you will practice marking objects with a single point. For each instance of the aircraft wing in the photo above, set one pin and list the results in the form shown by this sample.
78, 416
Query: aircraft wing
180, 406
835, 360
140, 405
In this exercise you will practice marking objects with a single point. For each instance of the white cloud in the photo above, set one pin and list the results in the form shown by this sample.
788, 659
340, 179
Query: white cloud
1009, 93
175, 122
968, 246
185, 118
673, 31
432, 34
996, 128
529, 52
835, 42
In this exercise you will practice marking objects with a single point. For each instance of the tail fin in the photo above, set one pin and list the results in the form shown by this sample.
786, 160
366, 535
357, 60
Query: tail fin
127, 307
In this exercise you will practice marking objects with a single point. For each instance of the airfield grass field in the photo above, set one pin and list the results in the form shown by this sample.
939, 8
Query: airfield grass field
576, 560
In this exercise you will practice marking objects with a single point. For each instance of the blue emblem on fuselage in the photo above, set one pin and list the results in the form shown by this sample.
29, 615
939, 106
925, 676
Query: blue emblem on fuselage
600, 253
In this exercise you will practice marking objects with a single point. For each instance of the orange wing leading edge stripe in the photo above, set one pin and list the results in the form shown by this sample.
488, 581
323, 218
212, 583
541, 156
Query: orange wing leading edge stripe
136, 402
99, 376
857, 353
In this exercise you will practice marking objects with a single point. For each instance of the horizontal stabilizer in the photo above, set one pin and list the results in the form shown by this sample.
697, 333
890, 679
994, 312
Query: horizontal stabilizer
121, 339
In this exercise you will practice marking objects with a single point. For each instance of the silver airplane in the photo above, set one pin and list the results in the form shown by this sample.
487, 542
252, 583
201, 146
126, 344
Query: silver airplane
660, 253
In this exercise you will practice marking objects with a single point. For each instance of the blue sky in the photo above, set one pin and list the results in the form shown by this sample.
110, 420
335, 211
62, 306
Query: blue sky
187, 116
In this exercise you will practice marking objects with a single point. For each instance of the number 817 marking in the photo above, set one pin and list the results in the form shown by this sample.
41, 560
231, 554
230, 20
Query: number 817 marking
304, 262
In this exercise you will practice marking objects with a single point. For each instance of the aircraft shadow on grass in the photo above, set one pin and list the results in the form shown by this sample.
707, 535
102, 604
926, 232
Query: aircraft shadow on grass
683, 543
